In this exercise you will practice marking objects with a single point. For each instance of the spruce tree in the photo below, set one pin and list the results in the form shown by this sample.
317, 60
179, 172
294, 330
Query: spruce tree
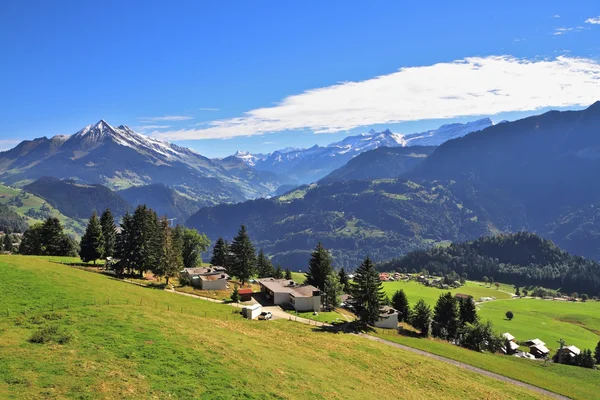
597, 353
367, 293
235, 295
400, 303
171, 260
109, 232
52, 237
445, 317
288, 273
92, 242
421, 317
8, 243
278, 272
332, 292
124, 245
467, 311
264, 267
344, 281
220, 254
244, 257
319, 267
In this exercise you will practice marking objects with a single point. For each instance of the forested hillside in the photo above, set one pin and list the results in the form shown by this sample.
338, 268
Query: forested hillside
10, 221
163, 199
522, 259
77, 200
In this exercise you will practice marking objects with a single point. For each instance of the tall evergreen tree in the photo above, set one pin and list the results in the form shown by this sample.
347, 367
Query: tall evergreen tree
140, 244
421, 317
171, 260
597, 353
344, 281
92, 242
288, 273
52, 237
367, 293
332, 292
31, 243
109, 232
467, 311
220, 254
400, 303
319, 267
445, 317
124, 246
278, 272
194, 244
244, 257
264, 267
7, 243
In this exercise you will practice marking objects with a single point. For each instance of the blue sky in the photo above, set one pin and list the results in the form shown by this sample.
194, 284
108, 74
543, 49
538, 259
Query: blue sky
260, 76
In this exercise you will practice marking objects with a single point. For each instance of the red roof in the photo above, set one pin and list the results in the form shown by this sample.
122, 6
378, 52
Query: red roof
245, 291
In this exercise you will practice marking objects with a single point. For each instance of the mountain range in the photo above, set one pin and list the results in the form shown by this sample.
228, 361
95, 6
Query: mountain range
534, 174
303, 166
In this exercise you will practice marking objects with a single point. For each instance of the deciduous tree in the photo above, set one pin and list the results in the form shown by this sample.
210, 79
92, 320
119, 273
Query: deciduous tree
332, 292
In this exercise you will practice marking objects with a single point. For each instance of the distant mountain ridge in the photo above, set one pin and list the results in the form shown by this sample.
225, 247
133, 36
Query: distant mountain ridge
309, 165
118, 158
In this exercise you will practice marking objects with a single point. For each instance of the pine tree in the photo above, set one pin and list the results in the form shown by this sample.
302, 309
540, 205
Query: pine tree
400, 303
319, 267
445, 317
52, 237
278, 272
421, 317
92, 242
8, 243
367, 293
220, 254
140, 242
171, 260
124, 245
344, 281
467, 311
109, 232
597, 353
244, 257
235, 295
288, 273
264, 268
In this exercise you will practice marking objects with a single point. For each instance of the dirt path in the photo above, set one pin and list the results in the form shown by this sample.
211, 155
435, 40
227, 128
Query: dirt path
467, 367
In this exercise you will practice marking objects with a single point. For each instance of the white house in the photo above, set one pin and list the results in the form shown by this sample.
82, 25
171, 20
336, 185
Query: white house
210, 278
286, 292
388, 318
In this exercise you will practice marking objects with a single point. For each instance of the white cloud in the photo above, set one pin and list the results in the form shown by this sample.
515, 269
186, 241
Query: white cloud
562, 31
594, 21
149, 127
165, 118
470, 87
269, 142
556, 16
208, 109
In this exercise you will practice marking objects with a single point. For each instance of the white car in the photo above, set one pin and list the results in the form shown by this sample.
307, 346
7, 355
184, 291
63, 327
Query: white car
265, 315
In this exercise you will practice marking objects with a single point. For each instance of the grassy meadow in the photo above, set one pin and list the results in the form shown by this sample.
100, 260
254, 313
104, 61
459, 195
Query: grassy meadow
97, 337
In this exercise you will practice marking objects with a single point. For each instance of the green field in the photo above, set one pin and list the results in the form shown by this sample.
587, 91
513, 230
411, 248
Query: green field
109, 339
72, 226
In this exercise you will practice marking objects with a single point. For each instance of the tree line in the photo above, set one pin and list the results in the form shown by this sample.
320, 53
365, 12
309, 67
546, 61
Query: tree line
522, 259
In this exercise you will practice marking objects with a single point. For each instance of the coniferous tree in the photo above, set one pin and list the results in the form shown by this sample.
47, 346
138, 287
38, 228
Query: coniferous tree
367, 293
7, 243
47, 239
467, 311
109, 232
400, 303
171, 261
597, 353
92, 242
264, 267
235, 295
141, 240
278, 272
244, 257
31, 243
319, 267
52, 237
344, 281
445, 317
220, 254
124, 246
421, 317
333, 290
288, 273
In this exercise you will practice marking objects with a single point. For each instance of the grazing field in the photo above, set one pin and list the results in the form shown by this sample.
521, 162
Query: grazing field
577, 323
573, 382
139, 342
415, 291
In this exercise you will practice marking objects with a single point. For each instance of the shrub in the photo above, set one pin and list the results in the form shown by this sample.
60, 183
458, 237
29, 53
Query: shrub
510, 315
51, 333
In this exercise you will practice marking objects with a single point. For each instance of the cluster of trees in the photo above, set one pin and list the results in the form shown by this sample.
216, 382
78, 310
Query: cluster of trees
7, 243
239, 258
144, 243
48, 239
451, 319
522, 259
10, 221
585, 359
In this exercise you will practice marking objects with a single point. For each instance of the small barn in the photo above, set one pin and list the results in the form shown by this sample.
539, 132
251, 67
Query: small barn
245, 294
252, 311
388, 318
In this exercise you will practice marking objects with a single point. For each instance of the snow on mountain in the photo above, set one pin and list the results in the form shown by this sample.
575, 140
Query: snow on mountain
248, 158
445, 132
369, 141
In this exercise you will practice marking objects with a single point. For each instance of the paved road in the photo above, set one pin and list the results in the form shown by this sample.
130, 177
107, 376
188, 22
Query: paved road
467, 367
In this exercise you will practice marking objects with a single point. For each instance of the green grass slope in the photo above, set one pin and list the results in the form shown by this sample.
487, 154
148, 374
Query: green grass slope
149, 343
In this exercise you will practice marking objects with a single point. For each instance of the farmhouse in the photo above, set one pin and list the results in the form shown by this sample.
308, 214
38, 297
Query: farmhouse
461, 296
510, 347
286, 292
570, 351
211, 278
388, 318
537, 348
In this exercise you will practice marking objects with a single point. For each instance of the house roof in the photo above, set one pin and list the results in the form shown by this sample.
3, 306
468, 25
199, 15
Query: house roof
387, 311
288, 286
213, 277
513, 346
540, 347
204, 270
572, 349
508, 336
245, 291
463, 296
535, 342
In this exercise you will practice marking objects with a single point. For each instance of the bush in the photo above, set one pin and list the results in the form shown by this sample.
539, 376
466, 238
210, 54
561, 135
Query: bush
510, 315
51, 333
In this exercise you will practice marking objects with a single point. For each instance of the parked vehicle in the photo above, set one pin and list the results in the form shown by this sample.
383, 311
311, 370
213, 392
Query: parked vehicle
265, 315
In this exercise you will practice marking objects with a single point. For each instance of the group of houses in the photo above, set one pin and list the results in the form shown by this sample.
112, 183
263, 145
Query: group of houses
386, 277
537, 348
